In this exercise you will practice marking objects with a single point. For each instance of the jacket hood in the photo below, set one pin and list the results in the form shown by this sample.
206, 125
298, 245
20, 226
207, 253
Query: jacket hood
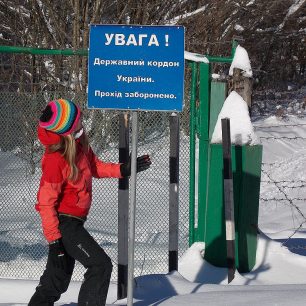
47, 138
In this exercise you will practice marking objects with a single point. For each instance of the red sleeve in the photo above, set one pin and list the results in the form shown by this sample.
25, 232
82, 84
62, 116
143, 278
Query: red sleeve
49, 190
101, 169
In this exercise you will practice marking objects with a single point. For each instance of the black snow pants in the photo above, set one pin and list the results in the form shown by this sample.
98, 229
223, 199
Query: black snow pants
80, 246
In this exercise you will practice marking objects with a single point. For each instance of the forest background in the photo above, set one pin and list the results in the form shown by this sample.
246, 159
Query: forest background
273, 32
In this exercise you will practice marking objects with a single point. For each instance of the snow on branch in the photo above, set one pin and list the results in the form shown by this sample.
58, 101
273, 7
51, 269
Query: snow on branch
47, 20
174, 20
292, 9
195, 57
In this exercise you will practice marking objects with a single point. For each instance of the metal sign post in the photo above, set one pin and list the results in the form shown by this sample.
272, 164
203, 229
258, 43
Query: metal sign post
228, 198
132, 209
174, 191
123, 208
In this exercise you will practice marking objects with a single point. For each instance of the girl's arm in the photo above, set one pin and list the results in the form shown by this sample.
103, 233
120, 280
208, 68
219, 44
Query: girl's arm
48, 194
101, 169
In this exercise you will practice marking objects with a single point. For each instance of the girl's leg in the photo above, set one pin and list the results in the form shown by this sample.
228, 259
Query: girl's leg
85, 249
52, 284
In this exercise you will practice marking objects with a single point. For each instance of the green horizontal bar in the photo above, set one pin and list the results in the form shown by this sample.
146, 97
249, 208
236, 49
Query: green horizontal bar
216, 59
41, 51
219, 59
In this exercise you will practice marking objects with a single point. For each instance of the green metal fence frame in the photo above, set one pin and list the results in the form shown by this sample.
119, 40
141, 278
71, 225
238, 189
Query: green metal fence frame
199, 125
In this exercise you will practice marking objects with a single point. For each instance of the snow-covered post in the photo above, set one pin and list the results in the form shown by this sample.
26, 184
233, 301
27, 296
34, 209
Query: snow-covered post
242, 74
174, 191
123, 208
243, 86
228, 198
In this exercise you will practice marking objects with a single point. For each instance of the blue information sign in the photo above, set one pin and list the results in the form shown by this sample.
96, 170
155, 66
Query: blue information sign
136, 67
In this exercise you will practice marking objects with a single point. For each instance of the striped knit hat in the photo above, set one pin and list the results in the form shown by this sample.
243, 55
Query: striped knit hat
60, 116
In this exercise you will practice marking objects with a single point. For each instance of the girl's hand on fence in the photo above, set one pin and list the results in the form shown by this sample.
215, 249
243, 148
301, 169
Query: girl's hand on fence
143, 163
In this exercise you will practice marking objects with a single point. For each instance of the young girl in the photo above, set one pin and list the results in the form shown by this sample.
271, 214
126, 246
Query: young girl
64, 200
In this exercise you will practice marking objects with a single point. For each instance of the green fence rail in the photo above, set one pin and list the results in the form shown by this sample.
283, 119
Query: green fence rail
42, 51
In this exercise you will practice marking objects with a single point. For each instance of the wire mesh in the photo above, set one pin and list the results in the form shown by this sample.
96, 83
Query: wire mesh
23, 248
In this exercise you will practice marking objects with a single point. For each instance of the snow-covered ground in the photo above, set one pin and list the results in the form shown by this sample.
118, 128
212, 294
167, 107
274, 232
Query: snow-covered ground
279, 276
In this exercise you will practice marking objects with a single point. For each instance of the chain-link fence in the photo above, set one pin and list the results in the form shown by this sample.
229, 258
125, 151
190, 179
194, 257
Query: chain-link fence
23, 248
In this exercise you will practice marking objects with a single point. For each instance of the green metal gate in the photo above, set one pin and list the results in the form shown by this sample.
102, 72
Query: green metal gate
207, 222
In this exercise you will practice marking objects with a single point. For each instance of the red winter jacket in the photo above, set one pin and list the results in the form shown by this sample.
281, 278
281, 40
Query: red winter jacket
58, 195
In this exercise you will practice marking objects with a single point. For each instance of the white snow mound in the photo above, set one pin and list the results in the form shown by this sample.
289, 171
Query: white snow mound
241, 61
242, 130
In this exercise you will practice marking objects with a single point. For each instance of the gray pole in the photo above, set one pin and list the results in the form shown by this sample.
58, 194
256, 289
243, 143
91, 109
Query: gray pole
131, 246
123, 208
228, 198
174, 191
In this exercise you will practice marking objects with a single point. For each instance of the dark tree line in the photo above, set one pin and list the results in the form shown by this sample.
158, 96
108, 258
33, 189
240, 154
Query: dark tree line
273, 32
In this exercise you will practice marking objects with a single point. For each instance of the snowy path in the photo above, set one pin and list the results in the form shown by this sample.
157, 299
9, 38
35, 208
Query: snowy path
279, 277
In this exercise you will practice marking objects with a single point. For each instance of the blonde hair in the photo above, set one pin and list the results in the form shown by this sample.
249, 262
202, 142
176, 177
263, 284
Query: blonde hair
68, 149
